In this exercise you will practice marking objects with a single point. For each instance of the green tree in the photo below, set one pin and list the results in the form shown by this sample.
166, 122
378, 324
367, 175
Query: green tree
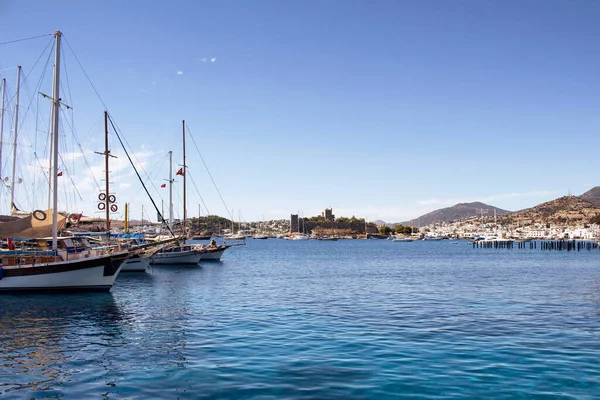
385, 230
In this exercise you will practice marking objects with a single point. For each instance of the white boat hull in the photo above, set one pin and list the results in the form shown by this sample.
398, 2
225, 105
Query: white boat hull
299, 238
135, 264
212, 255
181, 257
91, 274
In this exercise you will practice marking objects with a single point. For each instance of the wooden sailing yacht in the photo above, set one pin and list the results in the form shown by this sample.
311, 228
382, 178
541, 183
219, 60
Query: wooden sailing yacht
55, 264
185, 253
182, 253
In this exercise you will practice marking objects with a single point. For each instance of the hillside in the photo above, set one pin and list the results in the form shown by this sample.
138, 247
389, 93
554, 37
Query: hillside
592, 195
456, 212
567, 209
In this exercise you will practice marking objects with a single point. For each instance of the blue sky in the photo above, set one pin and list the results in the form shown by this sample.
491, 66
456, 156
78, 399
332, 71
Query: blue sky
382, 109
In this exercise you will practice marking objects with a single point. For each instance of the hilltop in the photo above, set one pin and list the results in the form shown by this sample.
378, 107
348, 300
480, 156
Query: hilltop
564, 210
592, 195
457, 212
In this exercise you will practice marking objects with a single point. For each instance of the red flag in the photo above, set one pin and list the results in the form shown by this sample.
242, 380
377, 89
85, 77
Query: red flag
180, 172
163, 185
59, 174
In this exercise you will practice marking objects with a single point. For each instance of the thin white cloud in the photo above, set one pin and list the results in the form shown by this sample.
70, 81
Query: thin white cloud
143, 91
213, 59
179, 72
204, 59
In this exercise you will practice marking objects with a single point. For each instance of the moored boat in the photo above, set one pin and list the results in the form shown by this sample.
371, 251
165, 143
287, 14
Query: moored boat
213, 253
135, 263
85, 274
51, 267
186, 254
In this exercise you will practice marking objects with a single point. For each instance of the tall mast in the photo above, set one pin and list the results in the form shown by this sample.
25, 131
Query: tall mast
55, 110
126, 222
106, 154
2, 122
184, 174
170, 189
14, 163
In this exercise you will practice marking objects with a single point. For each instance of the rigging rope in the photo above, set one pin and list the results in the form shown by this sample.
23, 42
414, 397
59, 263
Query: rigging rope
104, 105
199, 195
158, 167
51, 42
29, 38
113, 124
137, 173
24, 86
209, 174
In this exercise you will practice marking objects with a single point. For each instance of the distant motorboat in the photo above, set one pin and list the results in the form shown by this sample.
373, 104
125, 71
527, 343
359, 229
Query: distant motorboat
435, 238
402, 240
299, 237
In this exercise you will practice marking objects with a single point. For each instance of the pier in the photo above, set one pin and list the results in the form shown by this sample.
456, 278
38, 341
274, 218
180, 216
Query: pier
558, 245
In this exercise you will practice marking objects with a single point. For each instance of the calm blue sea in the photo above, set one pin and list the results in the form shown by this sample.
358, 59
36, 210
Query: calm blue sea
352, 319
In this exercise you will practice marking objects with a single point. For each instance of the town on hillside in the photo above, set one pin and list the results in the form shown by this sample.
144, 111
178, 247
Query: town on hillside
567, 217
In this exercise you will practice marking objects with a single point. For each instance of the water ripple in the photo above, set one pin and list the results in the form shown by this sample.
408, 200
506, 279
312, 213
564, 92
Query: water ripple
315, 320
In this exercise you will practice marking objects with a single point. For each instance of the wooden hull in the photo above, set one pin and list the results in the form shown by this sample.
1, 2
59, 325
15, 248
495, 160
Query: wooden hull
88, 274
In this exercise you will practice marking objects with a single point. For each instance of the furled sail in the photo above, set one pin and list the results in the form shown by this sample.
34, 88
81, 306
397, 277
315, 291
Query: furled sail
37, 225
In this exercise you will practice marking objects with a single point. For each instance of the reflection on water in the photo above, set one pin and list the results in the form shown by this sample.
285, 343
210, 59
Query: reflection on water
346, 319
37, 331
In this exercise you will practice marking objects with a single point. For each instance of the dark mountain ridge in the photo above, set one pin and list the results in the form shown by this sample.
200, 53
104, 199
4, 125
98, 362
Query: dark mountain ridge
592, 195
456, 212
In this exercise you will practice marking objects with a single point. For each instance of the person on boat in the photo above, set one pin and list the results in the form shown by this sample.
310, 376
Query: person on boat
213, 243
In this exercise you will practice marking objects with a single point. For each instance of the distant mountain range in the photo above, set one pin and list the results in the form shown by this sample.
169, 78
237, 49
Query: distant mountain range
455, 213
567, 208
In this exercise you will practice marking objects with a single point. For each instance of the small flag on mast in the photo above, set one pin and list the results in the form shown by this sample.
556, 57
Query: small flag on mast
59, 174
180, 172
163, 185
